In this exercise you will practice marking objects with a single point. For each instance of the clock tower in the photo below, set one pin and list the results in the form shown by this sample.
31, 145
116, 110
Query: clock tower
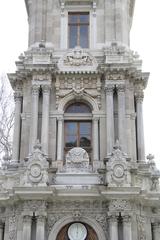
78, 168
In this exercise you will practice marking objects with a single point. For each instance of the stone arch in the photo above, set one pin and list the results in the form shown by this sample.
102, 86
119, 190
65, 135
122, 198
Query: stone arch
70, 97
65, 220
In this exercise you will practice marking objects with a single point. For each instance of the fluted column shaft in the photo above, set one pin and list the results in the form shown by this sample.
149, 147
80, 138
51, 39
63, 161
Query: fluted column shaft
127, 231
40, 229
34, 116
121, 116
113, 228
156, 231
17, 127
95, 140
1, 230
45, 118
60, 139
27, 222
109, 117
140, 128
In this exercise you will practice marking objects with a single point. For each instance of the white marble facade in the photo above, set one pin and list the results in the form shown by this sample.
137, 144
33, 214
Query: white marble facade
109, 192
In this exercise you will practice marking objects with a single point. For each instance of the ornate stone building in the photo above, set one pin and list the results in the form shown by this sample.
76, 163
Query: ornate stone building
78, 170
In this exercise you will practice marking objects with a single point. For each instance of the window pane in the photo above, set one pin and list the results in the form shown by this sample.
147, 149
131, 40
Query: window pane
73, 35
85, 128
73, 18
71, 128
84, 18
85, 141
71, 141
84, 36
78, 108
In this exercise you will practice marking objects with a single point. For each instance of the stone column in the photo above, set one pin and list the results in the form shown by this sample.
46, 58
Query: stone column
156, 230
109, 117
121, 116
113, 227
95, 139
127, 231
45, 118
27, 223
17, 126
1, 230
140, 130
34, 116
60, 140
40, 229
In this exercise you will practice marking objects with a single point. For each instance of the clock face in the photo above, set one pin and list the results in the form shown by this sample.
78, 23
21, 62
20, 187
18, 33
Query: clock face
77, 231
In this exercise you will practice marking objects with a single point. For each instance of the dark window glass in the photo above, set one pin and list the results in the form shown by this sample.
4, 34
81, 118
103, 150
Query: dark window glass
78, 24
78, 134
78, 108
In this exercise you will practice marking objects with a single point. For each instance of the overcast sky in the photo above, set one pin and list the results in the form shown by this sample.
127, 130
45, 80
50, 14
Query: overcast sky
145, 39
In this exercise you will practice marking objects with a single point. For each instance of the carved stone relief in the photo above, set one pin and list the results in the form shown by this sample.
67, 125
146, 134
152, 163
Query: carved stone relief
78, 86
37, 165
118, 168
77, 59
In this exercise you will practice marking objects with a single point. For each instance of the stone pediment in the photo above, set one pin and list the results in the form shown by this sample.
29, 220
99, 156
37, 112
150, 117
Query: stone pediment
77, 59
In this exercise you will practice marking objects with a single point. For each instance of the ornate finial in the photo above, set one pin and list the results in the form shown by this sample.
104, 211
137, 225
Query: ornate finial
117, 145
42, 44
150, 157
37, 145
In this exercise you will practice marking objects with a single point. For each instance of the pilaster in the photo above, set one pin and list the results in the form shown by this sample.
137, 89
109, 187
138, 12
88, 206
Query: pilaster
17, 126
34, 116
156, 230
109, 117
113, 227
40, 229
140, 129
95, 139
127, 231
121, 116
45, 118
60, 140
1, 230
27, 222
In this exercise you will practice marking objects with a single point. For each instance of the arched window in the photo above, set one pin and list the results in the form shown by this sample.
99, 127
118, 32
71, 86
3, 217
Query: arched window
78, 126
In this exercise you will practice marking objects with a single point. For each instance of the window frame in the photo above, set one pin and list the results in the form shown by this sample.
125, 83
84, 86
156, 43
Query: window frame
79, 25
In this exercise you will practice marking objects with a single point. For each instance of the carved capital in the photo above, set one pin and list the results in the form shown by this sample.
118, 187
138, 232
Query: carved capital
27, 219
120, 88
41, 219
60, 119
95, 119
126, 219
109, 89
18, 96
46, 89
139, 96
113, 219
35, 89
156, 225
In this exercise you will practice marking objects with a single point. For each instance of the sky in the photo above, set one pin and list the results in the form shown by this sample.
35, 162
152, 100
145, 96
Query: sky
145, 39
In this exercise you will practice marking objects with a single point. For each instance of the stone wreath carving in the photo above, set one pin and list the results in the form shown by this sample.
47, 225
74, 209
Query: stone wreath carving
37, 165
77, 58
118, 168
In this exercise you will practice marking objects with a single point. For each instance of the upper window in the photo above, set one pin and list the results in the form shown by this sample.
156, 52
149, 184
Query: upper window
78, 27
